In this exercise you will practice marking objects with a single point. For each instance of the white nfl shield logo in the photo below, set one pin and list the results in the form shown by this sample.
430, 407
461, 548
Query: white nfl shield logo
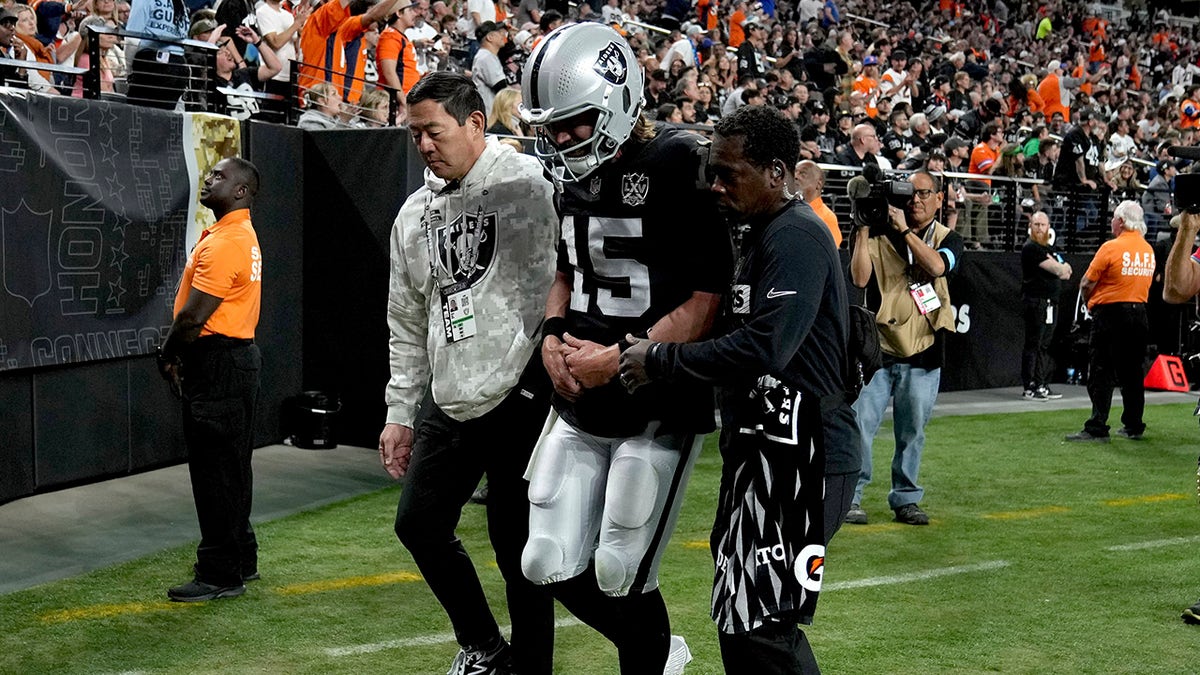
634, 188
594, 188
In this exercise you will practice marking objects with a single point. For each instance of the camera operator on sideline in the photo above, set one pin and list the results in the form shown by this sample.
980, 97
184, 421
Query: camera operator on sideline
909, 255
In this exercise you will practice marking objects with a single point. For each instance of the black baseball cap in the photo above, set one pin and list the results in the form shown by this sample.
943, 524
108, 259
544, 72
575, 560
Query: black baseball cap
487, 27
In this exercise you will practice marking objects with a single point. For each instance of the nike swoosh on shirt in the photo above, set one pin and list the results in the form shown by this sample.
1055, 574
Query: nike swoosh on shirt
772, 294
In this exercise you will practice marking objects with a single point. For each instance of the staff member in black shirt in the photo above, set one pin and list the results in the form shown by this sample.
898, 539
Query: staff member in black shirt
1042, 272
788, 435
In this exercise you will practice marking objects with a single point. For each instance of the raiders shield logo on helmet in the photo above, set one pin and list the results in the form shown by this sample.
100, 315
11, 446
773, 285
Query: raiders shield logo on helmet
466, 246
634, 188
611, 64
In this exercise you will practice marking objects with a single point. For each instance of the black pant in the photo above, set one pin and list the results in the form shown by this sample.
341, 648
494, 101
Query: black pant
155, 83
1116, 352
777, 646
1035, 356
448, 459
220, 388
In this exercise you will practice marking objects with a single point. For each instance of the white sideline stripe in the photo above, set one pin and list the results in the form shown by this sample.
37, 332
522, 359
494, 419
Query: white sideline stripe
1154, 544
422, 641
915, 576
442, 638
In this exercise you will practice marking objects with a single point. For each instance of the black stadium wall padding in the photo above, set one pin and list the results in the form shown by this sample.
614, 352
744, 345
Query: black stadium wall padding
353, 198
279, 221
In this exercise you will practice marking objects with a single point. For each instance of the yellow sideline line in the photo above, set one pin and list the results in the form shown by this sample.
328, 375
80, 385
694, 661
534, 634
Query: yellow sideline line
1148, 499
348, 582
1026, 513
105, 611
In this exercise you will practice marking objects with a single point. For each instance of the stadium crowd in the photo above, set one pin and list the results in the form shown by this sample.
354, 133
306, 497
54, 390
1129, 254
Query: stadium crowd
1048, 91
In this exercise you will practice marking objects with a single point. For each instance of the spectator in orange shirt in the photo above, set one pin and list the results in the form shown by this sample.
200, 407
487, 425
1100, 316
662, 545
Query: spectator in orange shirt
1116, 286
397, 57
354, 38
316, 43
811, 180
737, 35
867, 81
985, 154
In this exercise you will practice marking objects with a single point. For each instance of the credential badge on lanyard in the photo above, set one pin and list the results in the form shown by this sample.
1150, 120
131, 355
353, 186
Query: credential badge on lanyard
458, 307
923, 294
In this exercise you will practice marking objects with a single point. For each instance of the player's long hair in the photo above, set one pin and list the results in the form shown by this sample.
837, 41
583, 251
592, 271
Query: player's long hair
643, 130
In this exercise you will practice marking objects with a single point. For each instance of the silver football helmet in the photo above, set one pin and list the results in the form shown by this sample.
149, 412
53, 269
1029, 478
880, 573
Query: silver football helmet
576, 69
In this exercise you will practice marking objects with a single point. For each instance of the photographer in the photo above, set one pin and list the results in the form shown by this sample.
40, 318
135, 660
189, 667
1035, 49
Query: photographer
908, 254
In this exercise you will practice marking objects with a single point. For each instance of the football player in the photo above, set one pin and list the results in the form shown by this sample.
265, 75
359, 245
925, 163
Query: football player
642, 252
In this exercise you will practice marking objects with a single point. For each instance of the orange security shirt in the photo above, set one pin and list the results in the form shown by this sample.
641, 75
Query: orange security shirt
226, 263
1122, 270
394, 46
826, 214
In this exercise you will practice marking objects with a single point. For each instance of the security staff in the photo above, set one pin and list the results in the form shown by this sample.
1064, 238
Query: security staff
210, 360
1116, 286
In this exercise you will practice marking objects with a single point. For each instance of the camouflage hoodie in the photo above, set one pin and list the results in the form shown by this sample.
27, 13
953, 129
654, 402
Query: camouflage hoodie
495, 233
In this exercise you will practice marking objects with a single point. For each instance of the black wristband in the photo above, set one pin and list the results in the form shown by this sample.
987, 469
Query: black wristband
554, 325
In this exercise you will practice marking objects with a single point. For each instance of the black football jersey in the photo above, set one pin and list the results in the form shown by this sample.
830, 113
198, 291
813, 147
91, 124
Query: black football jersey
640, 235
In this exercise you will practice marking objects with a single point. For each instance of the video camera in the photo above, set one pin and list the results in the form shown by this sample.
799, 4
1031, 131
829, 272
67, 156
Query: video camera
871, 194
1186, 195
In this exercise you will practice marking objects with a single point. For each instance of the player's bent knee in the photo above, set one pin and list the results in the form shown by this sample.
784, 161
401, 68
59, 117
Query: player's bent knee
638, 485
542, 559
613, 576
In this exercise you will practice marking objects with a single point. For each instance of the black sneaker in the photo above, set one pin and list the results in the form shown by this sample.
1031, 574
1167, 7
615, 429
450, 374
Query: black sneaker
495, 660
252, 576
911, 514
856, 516
1125, 433
1029, 394
198, 591
1044, 394
1192, 614
1086, 436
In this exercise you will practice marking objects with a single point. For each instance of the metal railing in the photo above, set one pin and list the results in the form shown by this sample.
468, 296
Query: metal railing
992, 213
189, 82
22, 64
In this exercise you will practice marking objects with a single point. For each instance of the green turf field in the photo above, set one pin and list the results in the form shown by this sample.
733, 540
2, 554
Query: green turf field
1042, 557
